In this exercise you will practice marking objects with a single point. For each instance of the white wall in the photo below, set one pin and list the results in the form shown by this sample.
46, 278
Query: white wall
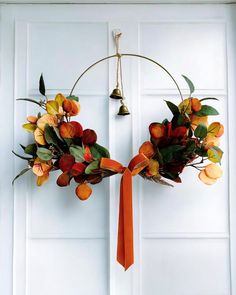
185, 236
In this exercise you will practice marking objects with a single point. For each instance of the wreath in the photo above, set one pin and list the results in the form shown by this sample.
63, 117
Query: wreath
61, 143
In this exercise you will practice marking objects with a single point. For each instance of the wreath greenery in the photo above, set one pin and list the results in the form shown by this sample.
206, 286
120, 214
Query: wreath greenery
61, 143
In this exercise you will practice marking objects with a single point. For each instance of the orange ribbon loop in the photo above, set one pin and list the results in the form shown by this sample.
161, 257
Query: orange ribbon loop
125, 248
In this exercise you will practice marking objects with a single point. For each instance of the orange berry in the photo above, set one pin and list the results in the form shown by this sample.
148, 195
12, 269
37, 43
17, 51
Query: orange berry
83, 191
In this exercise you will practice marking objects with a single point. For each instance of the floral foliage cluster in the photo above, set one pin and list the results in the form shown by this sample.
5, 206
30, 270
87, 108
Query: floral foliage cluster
187, 140
61, 143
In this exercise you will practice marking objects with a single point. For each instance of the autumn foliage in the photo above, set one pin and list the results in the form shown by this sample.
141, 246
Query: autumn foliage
187, 140
62, 144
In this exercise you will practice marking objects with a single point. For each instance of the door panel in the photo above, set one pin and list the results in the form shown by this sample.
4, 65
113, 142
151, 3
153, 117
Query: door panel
182, 234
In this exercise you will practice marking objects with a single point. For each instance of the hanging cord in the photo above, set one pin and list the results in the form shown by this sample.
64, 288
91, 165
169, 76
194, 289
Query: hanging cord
118, 68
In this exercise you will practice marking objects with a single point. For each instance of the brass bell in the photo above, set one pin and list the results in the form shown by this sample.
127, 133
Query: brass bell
116, 94
123, 111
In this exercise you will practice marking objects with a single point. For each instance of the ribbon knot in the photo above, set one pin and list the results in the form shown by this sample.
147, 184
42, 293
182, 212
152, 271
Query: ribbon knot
125, 248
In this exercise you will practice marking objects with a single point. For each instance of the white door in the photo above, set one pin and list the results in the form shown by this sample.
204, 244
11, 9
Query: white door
51, 242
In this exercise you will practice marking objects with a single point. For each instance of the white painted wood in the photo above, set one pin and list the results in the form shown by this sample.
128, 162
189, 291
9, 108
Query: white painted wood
183, 241
116, 1
231, 43
183, 267
6, 170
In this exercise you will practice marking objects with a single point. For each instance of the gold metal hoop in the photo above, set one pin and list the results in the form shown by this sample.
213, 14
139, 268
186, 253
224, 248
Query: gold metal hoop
127, 54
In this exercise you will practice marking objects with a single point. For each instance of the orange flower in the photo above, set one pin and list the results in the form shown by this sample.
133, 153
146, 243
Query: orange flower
41, 169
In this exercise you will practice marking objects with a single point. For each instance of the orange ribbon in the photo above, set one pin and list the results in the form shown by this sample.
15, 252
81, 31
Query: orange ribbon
125, 249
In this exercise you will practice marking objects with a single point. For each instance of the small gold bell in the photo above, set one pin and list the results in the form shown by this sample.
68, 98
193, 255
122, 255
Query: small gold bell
116, 94
123, 111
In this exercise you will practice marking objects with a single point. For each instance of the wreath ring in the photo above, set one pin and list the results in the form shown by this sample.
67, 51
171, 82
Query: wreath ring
62, 144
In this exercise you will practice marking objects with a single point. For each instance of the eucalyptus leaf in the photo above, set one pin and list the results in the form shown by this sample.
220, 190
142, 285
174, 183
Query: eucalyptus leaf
214, 154
190, 85
92, 166
201, 131
209, 98
73, 97
44, 154
22, 157
57, 133
20, 174
95, 153
22, 146
31, 100
169, 152
102, 150
165, 122
50, 135
77, 152
206, 111
173, 108
31, 149
42, 85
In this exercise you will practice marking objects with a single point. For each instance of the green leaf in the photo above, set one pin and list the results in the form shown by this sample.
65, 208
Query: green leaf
57, 133
190, 147
214, 154
174, 109
31, 149
165, 122
42, 85
206, 111
209, 98
50, 135
158, 156
178, 120
92, 166
77, 152
44, 154
22, 146
20, 174
190, 84
22, 157
95, 153
73, 97
31, 100
169, 152
68, 141
102, 150
201, 131
29, 127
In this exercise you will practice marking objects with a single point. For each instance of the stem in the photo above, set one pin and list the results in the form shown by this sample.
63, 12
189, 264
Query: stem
128, 54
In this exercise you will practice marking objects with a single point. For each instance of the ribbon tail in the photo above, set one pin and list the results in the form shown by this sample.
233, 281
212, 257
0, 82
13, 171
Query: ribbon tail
125, 250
